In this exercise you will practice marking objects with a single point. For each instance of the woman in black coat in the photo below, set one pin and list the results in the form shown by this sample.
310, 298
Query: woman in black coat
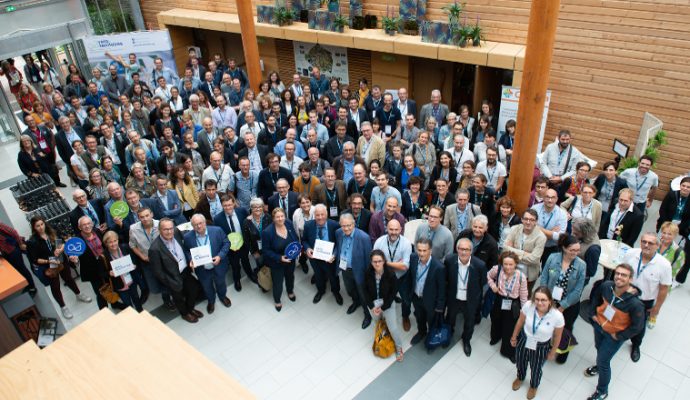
33, 162
380, 289
504, 220
252, 227
126, 284
608, 185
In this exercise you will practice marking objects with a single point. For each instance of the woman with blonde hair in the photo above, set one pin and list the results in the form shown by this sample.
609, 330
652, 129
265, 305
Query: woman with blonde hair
670, 250
182, 183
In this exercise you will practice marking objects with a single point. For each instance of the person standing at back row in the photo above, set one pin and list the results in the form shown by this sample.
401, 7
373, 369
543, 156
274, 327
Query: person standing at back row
559, 159
643, 181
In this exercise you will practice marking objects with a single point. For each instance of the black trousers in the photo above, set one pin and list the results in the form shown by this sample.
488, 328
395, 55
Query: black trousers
456, 307
355, 291
240, 258
682, 274
186, 298
570, 315
637, 339
423, 318
502, 325
323, 272
95, 285
279, 274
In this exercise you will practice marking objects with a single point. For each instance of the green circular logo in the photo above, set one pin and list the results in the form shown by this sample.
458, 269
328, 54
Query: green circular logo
236, 240
119, 209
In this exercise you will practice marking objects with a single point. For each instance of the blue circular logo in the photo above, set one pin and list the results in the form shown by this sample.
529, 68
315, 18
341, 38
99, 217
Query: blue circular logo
292, 250
75, 246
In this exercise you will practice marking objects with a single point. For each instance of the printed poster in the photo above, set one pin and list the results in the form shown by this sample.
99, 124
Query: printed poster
510, 96
331, 60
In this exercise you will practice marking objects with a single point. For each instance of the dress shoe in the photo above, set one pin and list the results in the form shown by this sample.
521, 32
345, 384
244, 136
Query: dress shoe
238, 286
398, 299
531, 392
60, 184
170, 306
467, 348
317, 298
366, 322
292, 297
406, 324
210, 308
635, 353
119, 306
338, 298
226, 302
313, 280
190, 318
253, 279
516, 384
352, 308
592, 371
144, 296
418, 337
305, 268
197, 313
279, 307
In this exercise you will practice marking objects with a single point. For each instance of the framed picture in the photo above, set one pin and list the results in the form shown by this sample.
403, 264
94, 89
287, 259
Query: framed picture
620, 148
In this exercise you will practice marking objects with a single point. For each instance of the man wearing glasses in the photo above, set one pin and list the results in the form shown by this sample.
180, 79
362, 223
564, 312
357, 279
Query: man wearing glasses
528, 243
652, 275
552, 222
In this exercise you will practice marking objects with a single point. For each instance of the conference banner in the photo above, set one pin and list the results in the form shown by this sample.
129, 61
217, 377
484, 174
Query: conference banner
103, 50
510, 96
331, 60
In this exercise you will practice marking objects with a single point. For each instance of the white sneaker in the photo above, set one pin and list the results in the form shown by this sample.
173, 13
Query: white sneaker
83, 298
66, 312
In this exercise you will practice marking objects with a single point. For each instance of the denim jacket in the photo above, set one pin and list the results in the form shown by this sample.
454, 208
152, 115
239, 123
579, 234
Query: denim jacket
551, 272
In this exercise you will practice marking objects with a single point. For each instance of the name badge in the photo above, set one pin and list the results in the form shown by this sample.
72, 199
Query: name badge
506, 304
609, 312
462, 294
557, 293
388, 130
43, 144
378, 303
343, 264
531, 343
334, 211
258, 244
127, 279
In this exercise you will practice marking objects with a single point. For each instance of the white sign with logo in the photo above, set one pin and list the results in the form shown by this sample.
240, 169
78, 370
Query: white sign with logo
510, 96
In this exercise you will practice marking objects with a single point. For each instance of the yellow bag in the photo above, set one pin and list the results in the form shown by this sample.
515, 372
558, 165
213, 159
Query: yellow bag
383, 345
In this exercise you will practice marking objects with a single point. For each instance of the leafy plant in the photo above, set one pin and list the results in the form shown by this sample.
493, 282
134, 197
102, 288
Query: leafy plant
461, 34
476, 33
454, 10
282, 16
340, 22
653, 151
390, 24
411, 25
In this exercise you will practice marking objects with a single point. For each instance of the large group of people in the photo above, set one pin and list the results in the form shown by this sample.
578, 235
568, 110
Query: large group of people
311, 162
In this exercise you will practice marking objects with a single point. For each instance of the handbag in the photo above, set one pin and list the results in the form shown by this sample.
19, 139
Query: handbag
439, 335
383, 345
54, 272
106, 290
490, 297
264, 278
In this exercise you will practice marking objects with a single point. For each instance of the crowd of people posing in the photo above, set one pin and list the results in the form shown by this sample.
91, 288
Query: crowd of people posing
318, 163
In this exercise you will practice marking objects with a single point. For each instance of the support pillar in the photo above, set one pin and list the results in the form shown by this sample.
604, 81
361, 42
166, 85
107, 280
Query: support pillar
541, 35
249, 42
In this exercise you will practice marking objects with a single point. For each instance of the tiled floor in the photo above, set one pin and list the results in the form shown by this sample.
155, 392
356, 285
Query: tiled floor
312, 351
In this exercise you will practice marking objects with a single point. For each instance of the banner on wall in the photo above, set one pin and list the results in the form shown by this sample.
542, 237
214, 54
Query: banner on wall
147, 45
331, 60
510, 96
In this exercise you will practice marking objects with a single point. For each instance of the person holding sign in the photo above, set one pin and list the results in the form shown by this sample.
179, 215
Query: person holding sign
207, 248
617, 315
564, 275
539, 328
319, 242
279, 240
122, 271
230, 221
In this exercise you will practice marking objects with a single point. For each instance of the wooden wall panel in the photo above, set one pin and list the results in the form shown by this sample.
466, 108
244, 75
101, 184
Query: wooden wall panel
390, 71
613, 60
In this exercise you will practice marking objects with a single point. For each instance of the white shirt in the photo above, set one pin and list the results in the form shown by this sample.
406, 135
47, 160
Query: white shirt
292, 166
463, 276
222, 176
492, 173
649, 277
616, 218
544, 325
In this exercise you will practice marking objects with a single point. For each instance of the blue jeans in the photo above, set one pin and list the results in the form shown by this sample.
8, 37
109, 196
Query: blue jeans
606, 347
213, 281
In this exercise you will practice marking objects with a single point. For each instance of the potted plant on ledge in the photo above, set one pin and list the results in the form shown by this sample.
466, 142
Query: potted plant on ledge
340, 23
461, 35
282, 16
390, 25
411, 26
476, 32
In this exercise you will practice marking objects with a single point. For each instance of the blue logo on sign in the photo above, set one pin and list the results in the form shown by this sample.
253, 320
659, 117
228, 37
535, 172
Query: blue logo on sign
293, 250
75, 246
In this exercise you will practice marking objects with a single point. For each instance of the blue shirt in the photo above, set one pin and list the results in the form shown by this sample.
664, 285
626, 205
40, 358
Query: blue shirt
322, 232
549, 220
346, 249
420, 279
348, 172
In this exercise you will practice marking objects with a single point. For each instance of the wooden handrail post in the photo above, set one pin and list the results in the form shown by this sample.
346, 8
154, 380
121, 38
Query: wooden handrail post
249, 42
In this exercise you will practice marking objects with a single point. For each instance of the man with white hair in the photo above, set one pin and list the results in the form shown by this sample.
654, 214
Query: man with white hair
205, 139
90, 208
220, 172
434, 109
322, 228
484, 246
251, 125
369, 146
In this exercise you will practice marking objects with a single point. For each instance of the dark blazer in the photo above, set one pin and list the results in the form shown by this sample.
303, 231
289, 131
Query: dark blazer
667, 211
311, 234
452, 177
204, 208
434, 293
263, 152
486, 250
271, 251
339, 165
321, 197
268, 139
251, 233
447, 201
62, 144
618, 184
46, 133
411, 107
632, 226
77, 213
164, 265
475, 281
363, 116
205, 147
92, 268
118, 284
29, 166
221, 220
220, 245
174, 204
495, 225
393, 168
370, 106
361, 249
407, 209
388, 287
131, 218
121, 143
266, 185
362, 222
114, 87
350, 131
274, 202
488, 204
364, 191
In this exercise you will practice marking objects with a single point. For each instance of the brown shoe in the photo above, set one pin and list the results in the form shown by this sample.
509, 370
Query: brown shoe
531, 392
190, 318
226, 302
406, 324
516, 384
210, 308
197, 313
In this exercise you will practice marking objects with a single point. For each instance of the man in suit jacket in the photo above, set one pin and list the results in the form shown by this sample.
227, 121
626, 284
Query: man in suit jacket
356, 114
361, 214
465, 277
344, 164
115, 85
63, 141
352, 249
284, 198
205, 139
256, 153
91, 208
404, 104
434, 109
428, 287
459, 216
347, 123
116, 143
230, 220
324, 229
486, 248
370, 147
211, 276
625, 220
332, 194
169, 264
269, 177
334, 147
169, 204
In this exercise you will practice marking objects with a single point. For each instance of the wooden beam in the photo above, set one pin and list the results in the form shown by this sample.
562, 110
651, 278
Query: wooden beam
541, 35
249, 43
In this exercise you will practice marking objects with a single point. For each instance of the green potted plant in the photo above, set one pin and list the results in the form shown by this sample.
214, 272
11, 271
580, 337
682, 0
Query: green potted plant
461, 35
411, 26
390, 25
476, 33
371, 21
282, 16
454, 10
340, 23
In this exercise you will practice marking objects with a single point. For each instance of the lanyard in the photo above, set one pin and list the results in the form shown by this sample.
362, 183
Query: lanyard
681, 206
198, 243
395, 250
491, 174
146, 234
643, 267
421, 276
535, 325
589, 209
260, 225
50, 246
414, 204
222, 169
462, 218
620, 218
430, 235
478, 200
467, 274
509, 287
638, 186
331, 199
542, 215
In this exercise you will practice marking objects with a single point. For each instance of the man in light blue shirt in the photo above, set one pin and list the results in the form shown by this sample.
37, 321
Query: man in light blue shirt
245, 184
321, 130
643, 181
160, 70
552, 221
381, 192
290, 136
223, 116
